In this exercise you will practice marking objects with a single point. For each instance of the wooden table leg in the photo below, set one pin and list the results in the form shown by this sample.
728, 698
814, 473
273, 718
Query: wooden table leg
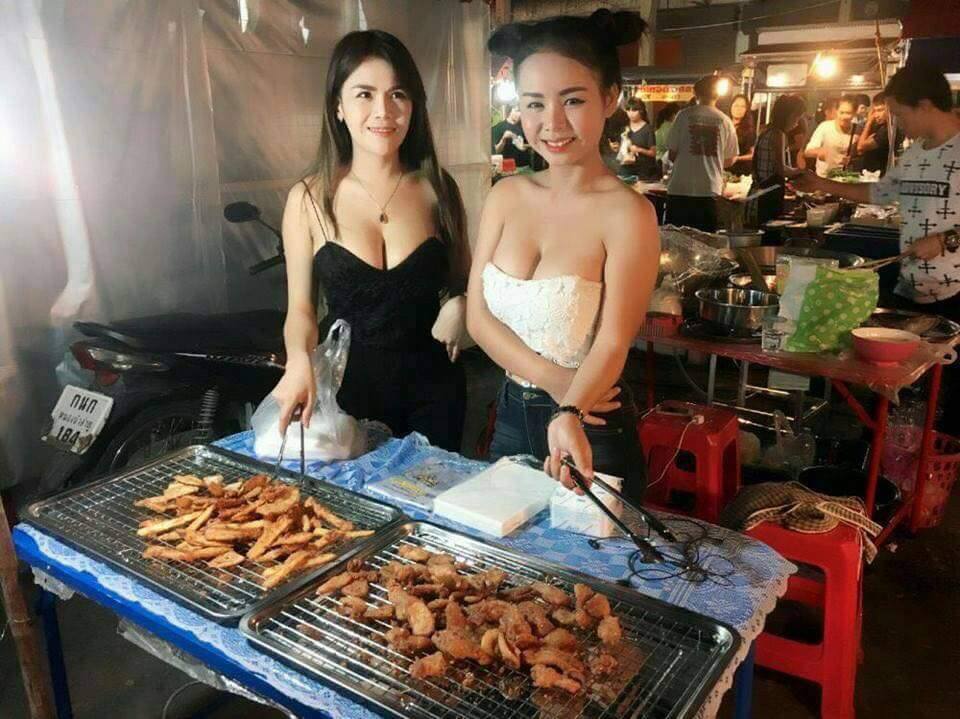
33, 669
926, 445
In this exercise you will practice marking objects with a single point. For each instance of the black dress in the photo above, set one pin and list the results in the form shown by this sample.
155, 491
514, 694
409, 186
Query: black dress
396, 372
646, 168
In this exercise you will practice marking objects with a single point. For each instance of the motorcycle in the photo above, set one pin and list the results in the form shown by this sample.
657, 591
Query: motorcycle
163, 382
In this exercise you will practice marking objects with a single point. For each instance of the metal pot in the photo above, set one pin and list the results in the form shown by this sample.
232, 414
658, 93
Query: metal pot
743, 238
743, 280
736, 310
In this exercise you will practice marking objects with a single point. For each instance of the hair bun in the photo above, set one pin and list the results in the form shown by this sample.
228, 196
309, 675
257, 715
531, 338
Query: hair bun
621, 28
506, 40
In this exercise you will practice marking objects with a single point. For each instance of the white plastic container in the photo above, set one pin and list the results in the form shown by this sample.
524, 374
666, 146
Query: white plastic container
498, 500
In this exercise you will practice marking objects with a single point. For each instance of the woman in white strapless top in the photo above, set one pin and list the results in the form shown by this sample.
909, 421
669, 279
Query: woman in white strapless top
566, 259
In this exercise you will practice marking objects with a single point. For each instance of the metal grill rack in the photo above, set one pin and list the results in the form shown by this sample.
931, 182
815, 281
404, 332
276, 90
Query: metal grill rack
100, 518
669, 658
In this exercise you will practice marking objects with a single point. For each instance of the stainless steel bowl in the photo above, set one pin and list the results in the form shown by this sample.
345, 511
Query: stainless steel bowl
743, 281
737, 310
743, 238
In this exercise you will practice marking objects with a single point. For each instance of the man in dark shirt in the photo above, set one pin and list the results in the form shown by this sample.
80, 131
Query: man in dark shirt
508, 139
874, 144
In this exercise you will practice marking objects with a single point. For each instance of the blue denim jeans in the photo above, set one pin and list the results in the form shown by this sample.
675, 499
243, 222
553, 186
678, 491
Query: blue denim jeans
521, 428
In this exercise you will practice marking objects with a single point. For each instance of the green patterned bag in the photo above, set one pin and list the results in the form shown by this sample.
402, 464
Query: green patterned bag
833, 303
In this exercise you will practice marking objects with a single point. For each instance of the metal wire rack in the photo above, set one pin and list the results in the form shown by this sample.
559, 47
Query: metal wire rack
669, 658
100, 518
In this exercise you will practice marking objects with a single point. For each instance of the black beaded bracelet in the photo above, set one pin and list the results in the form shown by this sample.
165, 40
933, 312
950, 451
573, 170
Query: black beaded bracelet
567, 409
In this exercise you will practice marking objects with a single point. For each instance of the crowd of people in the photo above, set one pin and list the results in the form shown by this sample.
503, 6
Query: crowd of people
847, 134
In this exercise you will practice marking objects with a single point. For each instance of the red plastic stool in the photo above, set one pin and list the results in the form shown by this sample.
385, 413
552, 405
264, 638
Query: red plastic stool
714, 479
833, 663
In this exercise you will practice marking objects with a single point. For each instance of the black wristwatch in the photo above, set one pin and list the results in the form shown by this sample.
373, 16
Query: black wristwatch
951, 240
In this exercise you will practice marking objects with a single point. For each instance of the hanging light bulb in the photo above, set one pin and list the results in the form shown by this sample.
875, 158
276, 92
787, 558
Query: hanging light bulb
825, 66
723, 86
505, 92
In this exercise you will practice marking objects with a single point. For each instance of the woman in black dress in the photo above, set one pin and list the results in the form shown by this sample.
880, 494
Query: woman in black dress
772, 157
638, 144
746, 134
380, 226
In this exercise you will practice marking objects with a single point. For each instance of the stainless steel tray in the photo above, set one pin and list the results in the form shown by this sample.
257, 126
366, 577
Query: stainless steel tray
669, 657
932, 328
100, 519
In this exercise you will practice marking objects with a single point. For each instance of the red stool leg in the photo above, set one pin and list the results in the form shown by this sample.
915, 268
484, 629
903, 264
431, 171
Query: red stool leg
840, 633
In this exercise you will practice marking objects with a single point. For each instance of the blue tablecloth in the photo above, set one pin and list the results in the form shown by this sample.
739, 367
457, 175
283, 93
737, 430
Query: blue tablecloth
742, 601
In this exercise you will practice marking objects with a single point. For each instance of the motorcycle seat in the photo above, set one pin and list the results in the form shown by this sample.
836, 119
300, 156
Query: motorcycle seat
254, 331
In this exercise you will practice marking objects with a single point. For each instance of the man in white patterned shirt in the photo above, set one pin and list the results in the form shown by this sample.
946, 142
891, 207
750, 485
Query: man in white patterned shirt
926, 182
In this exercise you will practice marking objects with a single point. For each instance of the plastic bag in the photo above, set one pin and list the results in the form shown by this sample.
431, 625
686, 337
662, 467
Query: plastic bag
791, 453
666, 298
332, 434
826, 304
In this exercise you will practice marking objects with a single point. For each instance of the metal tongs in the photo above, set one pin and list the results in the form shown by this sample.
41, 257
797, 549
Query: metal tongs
650, 553
295, 417
881, 263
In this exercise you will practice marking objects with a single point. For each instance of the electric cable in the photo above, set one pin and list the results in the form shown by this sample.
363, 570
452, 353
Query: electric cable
177, 692
726, 23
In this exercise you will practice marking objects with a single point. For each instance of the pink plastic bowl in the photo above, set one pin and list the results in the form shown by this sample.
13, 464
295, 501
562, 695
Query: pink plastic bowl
882, 346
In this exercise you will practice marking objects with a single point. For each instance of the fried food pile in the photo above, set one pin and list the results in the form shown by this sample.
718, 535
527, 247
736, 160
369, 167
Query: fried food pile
225, 525
443, 617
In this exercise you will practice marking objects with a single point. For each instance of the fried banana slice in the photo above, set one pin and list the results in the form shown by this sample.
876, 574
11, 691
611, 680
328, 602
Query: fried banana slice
160, 505
318, 560
226, 560
167, 525
157, 552
270, 534
292, 564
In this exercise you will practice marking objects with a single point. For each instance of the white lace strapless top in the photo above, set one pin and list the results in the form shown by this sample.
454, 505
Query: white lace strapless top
556, 317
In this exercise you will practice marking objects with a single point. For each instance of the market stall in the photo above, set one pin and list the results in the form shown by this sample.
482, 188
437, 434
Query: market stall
87, 555
841, 370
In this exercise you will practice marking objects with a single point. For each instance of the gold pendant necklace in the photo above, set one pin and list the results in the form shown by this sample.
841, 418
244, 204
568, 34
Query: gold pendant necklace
384, 218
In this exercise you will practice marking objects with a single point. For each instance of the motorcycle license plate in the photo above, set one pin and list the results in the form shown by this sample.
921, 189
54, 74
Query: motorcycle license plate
78, 418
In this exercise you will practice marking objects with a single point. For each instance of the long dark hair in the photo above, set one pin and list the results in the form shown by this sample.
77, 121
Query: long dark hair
592, 41
417, 152
746, 125
637, 105
786, 107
